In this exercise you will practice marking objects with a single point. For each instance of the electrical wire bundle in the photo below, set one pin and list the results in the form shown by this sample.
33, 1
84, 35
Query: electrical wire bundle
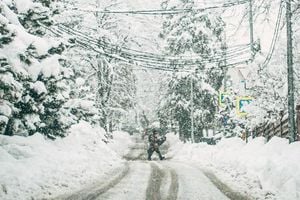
152, 60
229, 56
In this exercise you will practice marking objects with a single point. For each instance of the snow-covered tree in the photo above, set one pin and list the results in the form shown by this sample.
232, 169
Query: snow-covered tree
193, 34
123, 94
33, 71
267, 81
107, 81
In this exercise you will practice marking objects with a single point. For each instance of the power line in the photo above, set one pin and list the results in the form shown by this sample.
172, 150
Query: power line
164, 11
275, 35
150, 66
150, 56
161, 63
159, 57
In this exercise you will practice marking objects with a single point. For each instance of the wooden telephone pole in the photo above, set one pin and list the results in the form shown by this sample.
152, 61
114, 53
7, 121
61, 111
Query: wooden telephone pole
192, 111
251, 28
291, 103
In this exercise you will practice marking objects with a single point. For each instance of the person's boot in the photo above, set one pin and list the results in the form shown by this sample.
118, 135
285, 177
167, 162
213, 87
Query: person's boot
162, 158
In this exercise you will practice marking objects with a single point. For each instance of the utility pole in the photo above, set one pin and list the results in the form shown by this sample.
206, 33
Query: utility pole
291, 103
192, 110
251, 28
224, 55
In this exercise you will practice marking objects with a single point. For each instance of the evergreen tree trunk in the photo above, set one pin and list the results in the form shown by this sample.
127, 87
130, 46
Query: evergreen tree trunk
104, 83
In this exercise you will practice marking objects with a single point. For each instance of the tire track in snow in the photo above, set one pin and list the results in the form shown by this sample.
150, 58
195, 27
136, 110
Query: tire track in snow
231, 194
193, 184
95, 191
137, 152
153, 189
163, 183
133, 186
173, 190
135, 155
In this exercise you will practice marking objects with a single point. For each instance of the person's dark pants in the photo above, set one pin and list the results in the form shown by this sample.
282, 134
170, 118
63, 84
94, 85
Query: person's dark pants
151, 150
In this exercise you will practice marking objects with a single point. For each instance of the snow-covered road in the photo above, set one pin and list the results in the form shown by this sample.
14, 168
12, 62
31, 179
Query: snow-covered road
152, 180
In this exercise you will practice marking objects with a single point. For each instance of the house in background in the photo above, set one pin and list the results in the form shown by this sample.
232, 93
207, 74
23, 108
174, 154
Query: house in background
236, 80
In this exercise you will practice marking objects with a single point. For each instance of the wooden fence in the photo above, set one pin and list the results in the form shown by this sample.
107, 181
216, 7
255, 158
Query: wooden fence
279, 128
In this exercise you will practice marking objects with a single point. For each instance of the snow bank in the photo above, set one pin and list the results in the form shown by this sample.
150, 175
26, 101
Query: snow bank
121, 142
270, 170
33, 167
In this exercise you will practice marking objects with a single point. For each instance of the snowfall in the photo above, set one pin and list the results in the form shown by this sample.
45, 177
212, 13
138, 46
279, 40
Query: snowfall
35, 167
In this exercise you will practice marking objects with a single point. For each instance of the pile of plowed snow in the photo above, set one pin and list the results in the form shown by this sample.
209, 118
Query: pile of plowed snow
263, 170
34, 167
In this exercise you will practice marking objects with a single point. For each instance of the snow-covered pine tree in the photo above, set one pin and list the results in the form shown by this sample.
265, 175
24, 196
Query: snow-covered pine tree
36, 67
80, 58
194, 33
10, 84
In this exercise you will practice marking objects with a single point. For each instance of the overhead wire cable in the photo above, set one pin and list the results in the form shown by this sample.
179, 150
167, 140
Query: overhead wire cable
275, 35
161, 67
140, 53
152, 64
160, 59
164, 11
173, 62
148, 65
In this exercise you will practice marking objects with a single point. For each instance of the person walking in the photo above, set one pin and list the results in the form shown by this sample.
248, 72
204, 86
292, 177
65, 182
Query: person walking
154, 143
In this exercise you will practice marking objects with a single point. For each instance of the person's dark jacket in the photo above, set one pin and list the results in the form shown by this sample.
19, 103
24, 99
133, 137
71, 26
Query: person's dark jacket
155, 141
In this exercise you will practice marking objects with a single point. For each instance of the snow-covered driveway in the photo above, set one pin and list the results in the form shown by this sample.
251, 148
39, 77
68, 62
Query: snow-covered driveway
152, 180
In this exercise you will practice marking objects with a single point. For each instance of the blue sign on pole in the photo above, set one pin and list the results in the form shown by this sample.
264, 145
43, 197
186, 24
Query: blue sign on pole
242, 102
